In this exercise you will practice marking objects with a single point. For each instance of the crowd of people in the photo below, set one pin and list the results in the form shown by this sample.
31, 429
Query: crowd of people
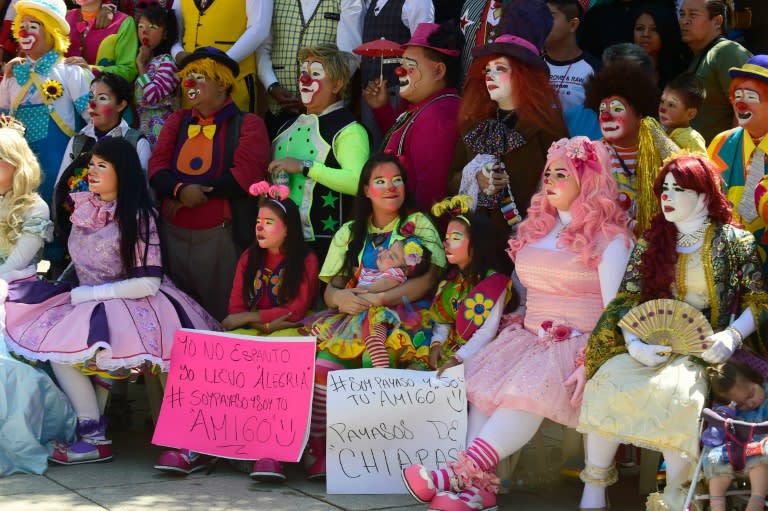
417, 185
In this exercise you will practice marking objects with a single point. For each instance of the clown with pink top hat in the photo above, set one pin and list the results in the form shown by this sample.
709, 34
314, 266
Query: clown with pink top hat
424, 133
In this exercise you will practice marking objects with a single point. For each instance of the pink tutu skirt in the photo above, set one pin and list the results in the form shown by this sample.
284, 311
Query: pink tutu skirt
42, 324
521, 371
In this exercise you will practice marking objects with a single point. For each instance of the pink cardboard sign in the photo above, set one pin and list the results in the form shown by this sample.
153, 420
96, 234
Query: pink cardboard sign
238, 396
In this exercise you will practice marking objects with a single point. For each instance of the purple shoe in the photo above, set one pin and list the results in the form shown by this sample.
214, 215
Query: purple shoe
267, 470
92, 446
181, 461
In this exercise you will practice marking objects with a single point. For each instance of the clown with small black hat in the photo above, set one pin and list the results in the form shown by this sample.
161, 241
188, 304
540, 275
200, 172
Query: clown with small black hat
205, 160
740, 152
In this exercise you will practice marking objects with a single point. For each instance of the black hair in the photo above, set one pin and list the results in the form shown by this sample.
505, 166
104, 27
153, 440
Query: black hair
724, 377
422, 266
628, 52
626, 79
134, 212
690, 88
294, 250
363, 209
119, 87
674, 55
718, 8
449, 37
571, 8
166, 19
485, 246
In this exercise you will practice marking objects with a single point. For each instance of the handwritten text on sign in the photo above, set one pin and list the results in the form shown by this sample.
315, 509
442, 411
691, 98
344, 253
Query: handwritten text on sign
238, 396
383, 420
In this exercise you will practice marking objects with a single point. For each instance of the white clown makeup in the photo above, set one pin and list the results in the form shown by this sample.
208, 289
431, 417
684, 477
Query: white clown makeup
311, 81
498, 79
677, 203
271, 231
409, 74
618, 121
386, 188
746, 106
456, 244
30, 32
560, 186
194, 83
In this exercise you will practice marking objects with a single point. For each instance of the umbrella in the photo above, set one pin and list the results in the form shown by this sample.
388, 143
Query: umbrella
380, 48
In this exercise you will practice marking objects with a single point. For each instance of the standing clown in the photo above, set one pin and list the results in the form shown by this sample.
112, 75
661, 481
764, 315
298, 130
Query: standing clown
44, 93
739, 153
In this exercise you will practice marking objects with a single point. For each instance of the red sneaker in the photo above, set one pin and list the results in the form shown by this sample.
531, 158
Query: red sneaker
471, 499
85, 450
181, 461
423, 483
267, 470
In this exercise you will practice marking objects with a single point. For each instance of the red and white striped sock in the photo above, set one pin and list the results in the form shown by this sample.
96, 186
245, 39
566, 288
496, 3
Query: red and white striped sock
441, 478
374, 345
483, 454
317, 422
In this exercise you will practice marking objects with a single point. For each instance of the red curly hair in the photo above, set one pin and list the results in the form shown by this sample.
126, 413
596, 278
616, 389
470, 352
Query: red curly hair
536, 102
657, 264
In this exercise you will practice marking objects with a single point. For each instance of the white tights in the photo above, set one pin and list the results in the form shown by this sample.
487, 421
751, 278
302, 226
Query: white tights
506, 430
80, 391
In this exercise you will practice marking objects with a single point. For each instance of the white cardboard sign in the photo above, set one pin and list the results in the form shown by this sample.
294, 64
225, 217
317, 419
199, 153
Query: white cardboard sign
383, 420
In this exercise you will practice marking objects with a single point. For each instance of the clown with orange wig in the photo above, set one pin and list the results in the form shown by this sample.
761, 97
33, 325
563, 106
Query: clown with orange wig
739, 153
46, 95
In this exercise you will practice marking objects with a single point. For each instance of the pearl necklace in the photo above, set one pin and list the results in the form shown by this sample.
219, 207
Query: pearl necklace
690, 239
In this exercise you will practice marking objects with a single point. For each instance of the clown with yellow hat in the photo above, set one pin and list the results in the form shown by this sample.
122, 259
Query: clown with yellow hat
50, 98
740, 153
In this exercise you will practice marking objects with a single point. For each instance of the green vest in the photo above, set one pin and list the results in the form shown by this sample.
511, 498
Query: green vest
290, 34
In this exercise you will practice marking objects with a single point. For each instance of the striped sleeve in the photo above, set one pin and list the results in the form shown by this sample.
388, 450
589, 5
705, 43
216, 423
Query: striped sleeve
161, 83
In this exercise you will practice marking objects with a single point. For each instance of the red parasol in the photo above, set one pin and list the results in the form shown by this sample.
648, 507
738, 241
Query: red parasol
380, 48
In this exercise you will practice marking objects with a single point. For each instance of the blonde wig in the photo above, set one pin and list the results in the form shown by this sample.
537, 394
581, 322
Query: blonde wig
53, 32
22, 195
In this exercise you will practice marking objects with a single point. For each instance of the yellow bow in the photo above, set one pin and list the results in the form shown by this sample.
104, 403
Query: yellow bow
194, 130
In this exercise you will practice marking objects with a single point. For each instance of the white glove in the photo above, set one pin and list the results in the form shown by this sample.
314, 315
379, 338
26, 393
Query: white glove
724, 343
651, 355
129, 289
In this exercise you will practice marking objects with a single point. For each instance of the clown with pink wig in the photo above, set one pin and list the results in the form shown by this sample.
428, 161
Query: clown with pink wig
570, 255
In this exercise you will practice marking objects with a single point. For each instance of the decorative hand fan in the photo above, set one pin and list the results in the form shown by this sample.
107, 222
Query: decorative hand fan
669, 323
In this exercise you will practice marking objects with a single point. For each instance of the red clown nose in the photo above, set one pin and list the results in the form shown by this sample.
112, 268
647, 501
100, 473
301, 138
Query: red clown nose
400, 71
189, 82
23, 33
92, 105
305, 79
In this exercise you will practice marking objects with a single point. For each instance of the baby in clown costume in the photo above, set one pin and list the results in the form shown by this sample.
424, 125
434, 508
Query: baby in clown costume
46, 95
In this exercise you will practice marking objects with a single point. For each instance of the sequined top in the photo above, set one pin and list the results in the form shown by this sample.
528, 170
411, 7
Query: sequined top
94, 244
734, 280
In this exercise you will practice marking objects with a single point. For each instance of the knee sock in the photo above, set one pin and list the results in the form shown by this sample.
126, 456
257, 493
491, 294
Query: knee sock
79, 390
374, 345
600, 453
322, 368
483, 454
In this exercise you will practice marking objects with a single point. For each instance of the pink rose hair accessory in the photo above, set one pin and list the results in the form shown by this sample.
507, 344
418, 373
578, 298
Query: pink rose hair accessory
277, 192
580, 151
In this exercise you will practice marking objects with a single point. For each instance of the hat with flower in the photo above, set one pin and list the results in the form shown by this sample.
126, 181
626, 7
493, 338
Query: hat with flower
524, 26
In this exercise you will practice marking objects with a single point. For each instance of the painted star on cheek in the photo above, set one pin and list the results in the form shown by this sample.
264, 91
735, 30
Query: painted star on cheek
329, 200
329, 224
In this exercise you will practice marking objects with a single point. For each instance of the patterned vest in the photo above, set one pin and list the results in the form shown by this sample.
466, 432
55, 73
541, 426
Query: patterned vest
290, 33
217, 26
389, 25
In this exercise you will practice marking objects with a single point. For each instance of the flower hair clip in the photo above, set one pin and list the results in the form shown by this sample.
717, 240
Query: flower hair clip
8, 121
277, 192
413, 252
580, 151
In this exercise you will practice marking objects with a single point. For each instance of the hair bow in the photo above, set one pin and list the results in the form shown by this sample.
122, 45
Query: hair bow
277, 192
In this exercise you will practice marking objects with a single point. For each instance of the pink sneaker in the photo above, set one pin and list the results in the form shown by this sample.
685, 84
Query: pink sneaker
423, 483
85, 450
181, 461
471, 499
267, 470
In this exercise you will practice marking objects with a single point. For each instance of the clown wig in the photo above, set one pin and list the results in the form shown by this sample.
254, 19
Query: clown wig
597, 218
54, 34
211, 69
759, 86
536, 102
627, 80
657, 264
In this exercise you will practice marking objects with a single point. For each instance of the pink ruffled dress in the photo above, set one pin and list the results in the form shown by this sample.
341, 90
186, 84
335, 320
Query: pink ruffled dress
42, 324
521, 370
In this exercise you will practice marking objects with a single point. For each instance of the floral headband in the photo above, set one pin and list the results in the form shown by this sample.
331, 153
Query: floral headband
276, 193
8, 121
580, 151
413, 250
456, 206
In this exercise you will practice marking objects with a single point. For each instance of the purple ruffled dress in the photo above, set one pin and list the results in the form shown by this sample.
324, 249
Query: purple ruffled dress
42, 323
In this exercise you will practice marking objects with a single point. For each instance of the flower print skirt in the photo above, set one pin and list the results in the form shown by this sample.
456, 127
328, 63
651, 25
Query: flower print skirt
522, 371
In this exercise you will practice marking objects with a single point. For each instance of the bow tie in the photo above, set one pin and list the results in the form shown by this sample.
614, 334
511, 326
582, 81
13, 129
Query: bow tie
194, 130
